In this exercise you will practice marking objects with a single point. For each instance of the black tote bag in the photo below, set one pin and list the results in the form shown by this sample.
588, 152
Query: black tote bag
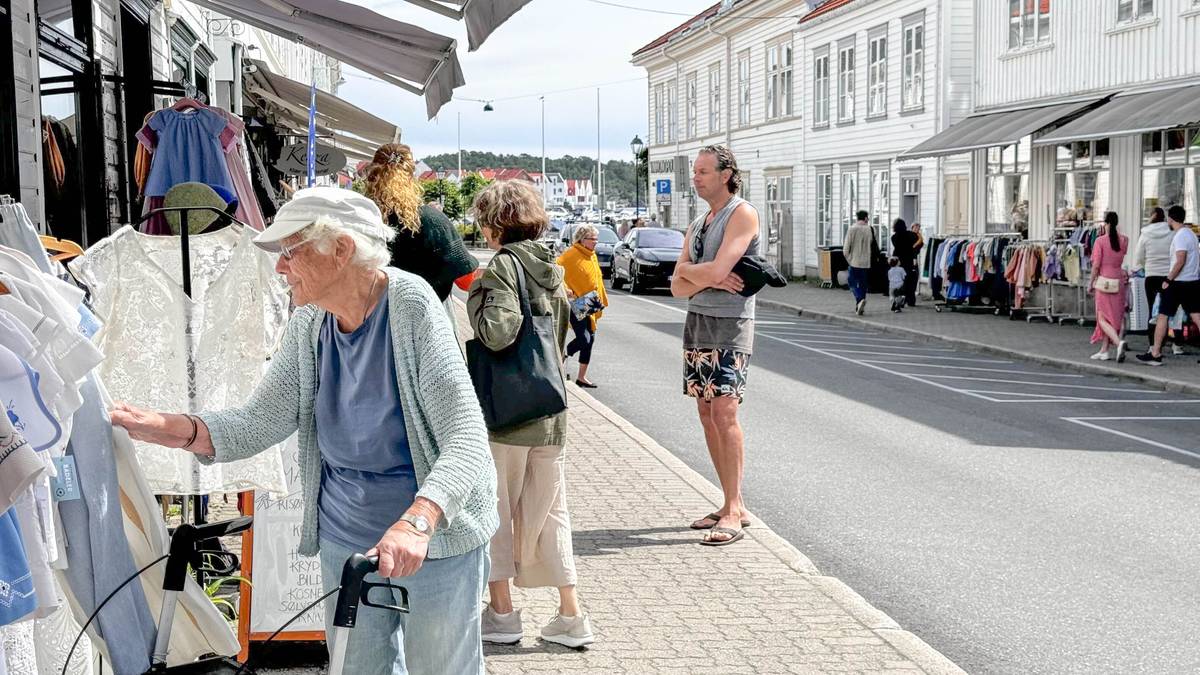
522, 382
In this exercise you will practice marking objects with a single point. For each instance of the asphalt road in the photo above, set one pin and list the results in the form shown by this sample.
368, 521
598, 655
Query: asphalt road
1017, 518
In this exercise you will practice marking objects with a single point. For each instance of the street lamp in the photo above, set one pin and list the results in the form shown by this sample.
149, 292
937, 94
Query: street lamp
636, 145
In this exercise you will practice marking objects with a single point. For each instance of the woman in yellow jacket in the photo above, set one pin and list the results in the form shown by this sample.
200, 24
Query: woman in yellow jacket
583, 277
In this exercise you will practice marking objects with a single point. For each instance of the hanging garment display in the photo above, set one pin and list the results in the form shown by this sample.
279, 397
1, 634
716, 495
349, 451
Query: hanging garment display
166, 351
189, 146
249, 211
18, 232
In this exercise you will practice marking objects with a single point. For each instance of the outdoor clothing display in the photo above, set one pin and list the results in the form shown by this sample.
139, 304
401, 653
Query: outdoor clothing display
367, 476
436, 252
60, 178
494, 310
166, 351
441, 414
1108, 264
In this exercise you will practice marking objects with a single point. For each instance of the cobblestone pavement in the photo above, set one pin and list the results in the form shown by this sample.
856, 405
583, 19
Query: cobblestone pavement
1065, 346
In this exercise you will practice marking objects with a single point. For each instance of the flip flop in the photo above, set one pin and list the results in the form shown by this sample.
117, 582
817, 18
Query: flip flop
734, 535
716, 518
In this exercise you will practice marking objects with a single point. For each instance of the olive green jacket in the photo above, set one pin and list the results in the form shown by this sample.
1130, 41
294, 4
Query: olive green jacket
495, 312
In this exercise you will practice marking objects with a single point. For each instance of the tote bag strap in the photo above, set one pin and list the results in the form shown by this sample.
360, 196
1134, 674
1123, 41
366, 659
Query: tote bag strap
522, 293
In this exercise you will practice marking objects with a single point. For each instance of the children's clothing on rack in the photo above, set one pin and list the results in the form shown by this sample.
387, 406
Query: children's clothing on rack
1024, 269
155, 335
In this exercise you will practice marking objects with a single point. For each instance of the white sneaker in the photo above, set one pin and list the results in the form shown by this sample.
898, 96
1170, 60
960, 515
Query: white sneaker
860, 307
1122, 348
569, 631
501, 629
1177, 350
1101, 356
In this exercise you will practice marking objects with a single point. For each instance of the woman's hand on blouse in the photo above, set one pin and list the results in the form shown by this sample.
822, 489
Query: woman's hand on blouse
165, 429
401, 551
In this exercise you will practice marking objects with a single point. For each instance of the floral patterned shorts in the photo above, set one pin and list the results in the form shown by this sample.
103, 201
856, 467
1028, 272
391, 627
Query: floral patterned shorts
712, 373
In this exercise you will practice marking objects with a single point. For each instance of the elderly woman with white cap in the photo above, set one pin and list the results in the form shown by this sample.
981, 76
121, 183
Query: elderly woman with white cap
394, 455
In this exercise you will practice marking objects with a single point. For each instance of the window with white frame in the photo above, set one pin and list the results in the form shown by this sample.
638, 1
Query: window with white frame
779, 208
1028, 22
779, 79
821, 88
913, 87
824, 200
714, 98
672, 111
744, 88
877, 75
1132, 10
693, 105
1007, 207
846, 84
660, 115
1171, 170
881, 202
849, 198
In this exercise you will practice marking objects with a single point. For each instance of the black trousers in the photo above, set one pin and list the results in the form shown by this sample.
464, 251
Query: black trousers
912, 276
584, 337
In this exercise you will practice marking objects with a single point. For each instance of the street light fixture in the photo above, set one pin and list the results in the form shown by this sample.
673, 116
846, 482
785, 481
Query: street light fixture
636, 145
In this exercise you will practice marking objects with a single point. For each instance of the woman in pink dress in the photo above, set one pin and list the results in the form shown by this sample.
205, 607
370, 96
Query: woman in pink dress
1107, 257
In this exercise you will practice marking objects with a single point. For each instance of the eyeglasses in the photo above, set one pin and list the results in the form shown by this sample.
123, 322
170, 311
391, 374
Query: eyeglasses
591, 239
288, 252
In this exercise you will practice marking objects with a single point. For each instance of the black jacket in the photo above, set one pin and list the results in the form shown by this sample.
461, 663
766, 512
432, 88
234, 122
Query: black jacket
436, 253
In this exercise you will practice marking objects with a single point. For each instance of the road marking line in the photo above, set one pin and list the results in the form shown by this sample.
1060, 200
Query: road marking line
848, 336
1040, 384
1111, 419
988, 370
1044, 397
1081, 422
830, 342
940, 358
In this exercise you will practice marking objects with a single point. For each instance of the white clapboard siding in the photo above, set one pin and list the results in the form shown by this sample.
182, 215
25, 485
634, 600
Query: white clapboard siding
29, 109
1088, 51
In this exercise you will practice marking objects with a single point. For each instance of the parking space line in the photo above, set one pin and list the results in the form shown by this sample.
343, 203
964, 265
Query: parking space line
848, 336
940, 358
987, 370
1083, 422
1040, 384
828, 342
1044, 397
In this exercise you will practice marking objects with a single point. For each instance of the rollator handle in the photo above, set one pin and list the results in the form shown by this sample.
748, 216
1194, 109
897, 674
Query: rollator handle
355, 589
185, 547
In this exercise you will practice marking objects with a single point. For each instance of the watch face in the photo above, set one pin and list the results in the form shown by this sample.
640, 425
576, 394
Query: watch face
421, 523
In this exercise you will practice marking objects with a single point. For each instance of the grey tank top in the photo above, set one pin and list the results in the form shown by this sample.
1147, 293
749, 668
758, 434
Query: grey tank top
705, 242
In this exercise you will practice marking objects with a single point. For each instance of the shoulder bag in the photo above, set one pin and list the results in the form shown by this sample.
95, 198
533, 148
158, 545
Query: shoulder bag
522, 382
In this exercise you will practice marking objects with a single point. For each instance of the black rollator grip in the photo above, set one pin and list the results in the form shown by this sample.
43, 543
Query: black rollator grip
355, 589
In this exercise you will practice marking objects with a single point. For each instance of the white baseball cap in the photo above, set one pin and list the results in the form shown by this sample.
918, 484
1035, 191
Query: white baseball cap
344, 207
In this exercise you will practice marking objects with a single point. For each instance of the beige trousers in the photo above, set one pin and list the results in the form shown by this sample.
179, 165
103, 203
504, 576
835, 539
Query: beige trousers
533, 544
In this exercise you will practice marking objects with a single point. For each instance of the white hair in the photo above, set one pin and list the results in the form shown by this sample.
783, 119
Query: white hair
369, 252
583, 232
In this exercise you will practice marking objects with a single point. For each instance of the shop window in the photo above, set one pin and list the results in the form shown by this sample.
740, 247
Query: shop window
1081, 197
1175, 145
1171, 170
1007, 206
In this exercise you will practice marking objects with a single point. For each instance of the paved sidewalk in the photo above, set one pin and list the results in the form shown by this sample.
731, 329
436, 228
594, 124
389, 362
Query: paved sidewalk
661, 603
1064, 346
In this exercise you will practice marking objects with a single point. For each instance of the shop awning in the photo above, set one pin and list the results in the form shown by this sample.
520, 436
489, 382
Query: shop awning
1132, 114
401, 54
984, 131
483, 16
332, 112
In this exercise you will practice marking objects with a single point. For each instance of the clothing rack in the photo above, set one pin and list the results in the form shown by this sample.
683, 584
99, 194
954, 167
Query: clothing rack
964, 305
1045, 311
1060, 236
197, 501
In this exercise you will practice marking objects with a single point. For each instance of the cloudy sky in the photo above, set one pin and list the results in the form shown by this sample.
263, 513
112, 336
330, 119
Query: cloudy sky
560, 48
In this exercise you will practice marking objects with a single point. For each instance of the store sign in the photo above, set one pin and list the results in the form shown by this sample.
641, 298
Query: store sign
662, 166
293, 161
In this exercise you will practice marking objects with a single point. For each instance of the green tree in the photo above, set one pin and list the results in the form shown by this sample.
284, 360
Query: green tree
618, 174
444, 193
470, 186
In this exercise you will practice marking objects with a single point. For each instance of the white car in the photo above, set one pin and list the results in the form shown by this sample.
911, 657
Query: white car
557, 213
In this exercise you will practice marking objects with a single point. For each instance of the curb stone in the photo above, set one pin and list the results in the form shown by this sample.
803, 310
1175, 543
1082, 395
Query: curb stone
1075, 366
907, 644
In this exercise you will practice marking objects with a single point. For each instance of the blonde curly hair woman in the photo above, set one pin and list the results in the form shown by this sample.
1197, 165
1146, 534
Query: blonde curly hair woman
427, 243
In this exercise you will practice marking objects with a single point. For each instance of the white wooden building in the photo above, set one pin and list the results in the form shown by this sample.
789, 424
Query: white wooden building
1080, 107
816, 111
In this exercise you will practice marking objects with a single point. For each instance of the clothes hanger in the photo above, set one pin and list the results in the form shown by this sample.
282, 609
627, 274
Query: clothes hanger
188, 103
65, 248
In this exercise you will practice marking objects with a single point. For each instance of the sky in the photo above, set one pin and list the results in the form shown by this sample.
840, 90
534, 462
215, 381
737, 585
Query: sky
560, 48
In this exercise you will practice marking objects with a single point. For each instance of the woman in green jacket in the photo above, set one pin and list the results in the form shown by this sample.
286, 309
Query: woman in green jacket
532, 547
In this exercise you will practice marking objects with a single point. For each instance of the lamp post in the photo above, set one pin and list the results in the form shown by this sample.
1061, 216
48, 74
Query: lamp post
636, 145
544, 180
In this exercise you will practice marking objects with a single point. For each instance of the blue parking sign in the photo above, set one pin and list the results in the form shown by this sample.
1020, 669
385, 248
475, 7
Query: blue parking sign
662, 186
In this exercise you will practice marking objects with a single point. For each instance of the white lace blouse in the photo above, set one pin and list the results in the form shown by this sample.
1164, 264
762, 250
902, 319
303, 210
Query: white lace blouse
154, 336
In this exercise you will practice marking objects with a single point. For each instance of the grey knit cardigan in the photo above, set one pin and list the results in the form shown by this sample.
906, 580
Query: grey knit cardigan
446, 433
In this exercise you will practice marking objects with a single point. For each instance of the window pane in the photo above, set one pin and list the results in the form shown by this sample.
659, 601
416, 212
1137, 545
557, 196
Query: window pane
1152, 149
1064, 158
1007, 203
1195, 155
1167, 187
1008, 158
1081, 197
1100, 158
1145, 7
1178, 141
1023, 153
993, 159
1124, 10
1082, 154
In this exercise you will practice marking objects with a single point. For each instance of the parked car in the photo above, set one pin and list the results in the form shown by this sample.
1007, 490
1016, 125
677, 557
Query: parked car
558, 212
646, 258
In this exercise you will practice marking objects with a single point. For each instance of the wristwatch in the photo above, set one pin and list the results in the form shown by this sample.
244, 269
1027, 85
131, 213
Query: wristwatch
419, 523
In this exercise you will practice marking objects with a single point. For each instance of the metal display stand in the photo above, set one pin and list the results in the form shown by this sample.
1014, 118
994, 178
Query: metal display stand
964, 305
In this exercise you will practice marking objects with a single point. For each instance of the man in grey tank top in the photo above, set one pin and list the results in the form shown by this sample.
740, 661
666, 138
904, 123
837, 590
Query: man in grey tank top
718, 335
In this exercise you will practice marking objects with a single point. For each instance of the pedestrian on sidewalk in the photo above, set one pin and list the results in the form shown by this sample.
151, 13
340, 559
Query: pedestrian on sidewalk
1181, 288
1153, 258
904, 247
1109, 284
585, 289
897, 278
393, 446
532, 547
910, 295
718, 333
859, 249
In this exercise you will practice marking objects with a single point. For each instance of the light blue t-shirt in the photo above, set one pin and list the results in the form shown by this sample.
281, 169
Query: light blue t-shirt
367, 475
189, 150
